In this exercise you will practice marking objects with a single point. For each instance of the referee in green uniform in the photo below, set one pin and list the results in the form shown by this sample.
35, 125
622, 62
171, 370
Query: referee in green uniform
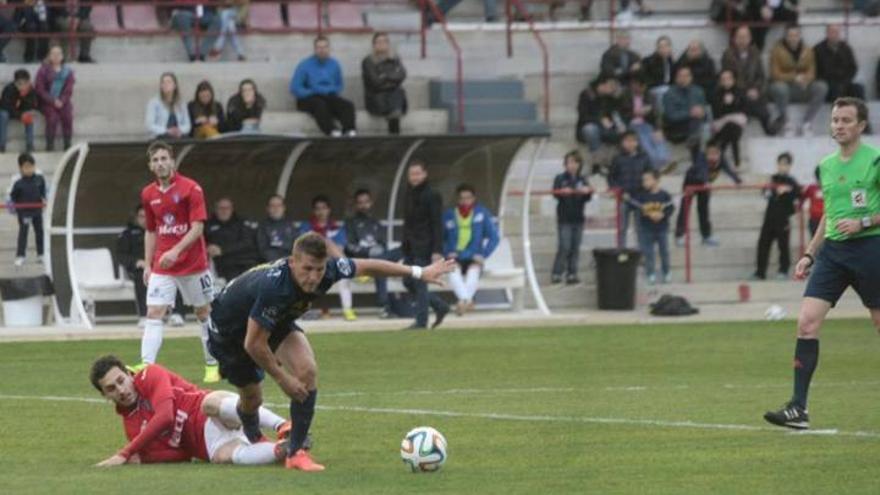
849, 238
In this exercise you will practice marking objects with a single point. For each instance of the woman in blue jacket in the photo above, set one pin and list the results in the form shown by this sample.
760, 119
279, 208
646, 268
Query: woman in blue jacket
469, 237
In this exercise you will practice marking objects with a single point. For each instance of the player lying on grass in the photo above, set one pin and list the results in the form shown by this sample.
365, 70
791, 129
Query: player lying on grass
168, 419
255, 330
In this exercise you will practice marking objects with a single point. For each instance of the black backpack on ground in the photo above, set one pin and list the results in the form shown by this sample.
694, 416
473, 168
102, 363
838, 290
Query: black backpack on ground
669, 305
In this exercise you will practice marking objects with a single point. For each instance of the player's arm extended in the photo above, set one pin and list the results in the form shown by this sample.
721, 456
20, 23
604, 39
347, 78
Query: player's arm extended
256, 344
161, 397
381, 268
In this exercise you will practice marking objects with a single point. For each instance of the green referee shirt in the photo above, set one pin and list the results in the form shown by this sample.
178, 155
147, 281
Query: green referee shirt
851, 190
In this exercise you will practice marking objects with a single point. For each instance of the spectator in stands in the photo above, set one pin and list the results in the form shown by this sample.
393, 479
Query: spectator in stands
655, 207
793, 72
813, 194
7, 27
231, 240
276, 233
701, 64
782, 195
184, 19
18, 101
130, 254
317, 84
77, 17
469, 237
728, 110
684, 110
232, 12
640, 115
205, 113
776, 11
489, 9
365, 238
167, 117
383, 76
618, 60
422, 240
32, 17
54, 86
600, 109
744, 60
28, 186
572, 191
658, 69
625, 175
705, 168
322, 222
836, 65
244, 110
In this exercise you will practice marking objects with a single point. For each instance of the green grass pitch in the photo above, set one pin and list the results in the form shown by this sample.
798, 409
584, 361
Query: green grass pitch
626, 409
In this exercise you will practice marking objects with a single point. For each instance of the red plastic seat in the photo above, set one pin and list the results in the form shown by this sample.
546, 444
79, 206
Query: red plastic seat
265, 16
140, 18
105, 19
302, 15
345, 15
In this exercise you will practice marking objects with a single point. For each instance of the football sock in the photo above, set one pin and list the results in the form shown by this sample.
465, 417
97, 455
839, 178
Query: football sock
344, 286
151, 342
250, 424
301, 414
206, 327
806, 357
229, 414
258, 453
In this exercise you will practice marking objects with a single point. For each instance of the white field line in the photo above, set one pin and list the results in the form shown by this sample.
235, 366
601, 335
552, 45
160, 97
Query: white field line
515, 417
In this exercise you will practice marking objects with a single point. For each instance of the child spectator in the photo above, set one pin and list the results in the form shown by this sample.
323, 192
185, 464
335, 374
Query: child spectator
655, 208
813, 194
205, 113
383, 76
244, 110
166, 117
625, 174
572, 191
54, 85
130, 254
782, 194
704, 169
28, 186
231, 13
18, 101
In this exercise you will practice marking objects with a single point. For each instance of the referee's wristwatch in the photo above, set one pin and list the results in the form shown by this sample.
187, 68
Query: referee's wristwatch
867, 223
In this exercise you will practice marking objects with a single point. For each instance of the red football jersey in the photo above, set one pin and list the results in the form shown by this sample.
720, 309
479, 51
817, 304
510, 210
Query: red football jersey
813, 193
169, 214
167, 423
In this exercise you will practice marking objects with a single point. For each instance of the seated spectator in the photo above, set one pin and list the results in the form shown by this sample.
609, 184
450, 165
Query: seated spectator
489, 9
184, 19
316, 84
655, 207
365, 238
836, 65
383, 76
7, 27
782, 195
638, 111
275, 234
18, 101
231, 240
166, 117
744, 60
600, 109
619, 61
322, 223
28, 187
231, 13
728, 110
701, 64
793, 72
658, 69
77, 17
813, 194
776, 11
572, 191
625, 175
130, 254
469, 237
54, 86
705, 168
32, 17
205, 113
684, 110
244, 110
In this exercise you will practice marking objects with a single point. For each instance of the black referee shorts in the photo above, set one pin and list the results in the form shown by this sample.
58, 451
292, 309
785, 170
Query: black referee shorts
841, 264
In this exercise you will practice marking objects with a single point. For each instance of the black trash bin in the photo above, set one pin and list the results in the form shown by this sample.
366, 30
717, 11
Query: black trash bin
616, 271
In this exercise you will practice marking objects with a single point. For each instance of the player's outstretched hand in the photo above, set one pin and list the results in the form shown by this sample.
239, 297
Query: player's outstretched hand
115, 460
433, 273
802, 269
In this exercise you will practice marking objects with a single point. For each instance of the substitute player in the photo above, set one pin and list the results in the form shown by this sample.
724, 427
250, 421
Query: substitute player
174, 245
844, 250
168, 419
255, 330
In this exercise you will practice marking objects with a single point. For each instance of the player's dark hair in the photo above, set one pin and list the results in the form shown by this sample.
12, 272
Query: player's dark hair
379, 34
627, 134
576, 156
360, 192
848, 101
793, 25
26, 158
273, 196
101, 367
465, 187
653, 172
312, 244
713, 144
159, 145
418, 162
321, 198
320, 38
816, 173
785, 156
21, 75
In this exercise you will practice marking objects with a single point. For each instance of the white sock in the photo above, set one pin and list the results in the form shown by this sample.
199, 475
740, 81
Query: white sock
472, 280
206, 327
457, 283
151, 342
344, 293
258, 453
229, 414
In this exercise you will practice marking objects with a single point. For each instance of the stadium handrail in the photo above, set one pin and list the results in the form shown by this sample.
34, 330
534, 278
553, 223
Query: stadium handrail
459, 71
509, 6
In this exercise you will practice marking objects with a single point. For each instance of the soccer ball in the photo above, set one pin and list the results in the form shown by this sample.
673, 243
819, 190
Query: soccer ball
775, 312
423, 449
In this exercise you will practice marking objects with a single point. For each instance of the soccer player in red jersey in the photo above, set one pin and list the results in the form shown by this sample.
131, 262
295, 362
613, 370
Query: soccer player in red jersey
175, 252
168, 419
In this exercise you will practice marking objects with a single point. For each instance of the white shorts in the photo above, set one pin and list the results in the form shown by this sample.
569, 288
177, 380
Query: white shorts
197, 289
218, 435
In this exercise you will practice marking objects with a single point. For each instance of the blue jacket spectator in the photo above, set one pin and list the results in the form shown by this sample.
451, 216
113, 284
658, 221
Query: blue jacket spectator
684, 109
317, 84
316, 76
483, 233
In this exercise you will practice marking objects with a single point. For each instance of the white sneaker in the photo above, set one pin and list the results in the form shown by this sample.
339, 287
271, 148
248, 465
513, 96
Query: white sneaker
19, 261
176, 320
142, 322
351, 133
336, 133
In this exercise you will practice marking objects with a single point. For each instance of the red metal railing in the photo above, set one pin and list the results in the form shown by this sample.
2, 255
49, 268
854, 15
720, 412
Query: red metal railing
545, 56
459, 71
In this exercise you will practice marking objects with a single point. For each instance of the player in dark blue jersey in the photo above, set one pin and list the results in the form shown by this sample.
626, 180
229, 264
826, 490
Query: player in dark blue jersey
255, 329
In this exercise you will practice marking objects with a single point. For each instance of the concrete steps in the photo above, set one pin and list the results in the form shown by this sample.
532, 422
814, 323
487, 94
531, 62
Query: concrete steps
491, 106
